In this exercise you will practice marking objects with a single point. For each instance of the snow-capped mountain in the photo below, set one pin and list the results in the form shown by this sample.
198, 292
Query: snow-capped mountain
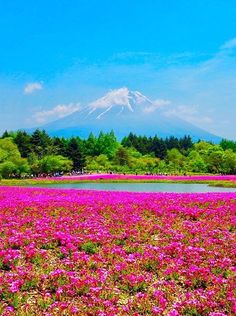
116, 103
126, 111
120, 101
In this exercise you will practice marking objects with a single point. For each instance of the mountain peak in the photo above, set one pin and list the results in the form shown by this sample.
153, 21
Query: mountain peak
124, 111
121, 98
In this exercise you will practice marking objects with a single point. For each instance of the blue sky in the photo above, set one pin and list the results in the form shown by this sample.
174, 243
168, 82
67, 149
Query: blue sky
57, 56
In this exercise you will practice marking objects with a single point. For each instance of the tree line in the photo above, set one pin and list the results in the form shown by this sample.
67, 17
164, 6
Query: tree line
24, 154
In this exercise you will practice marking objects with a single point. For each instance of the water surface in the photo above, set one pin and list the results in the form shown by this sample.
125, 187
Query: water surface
141, 187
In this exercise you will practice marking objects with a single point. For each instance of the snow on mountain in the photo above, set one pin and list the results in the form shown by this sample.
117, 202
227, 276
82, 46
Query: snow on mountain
121, 99
126, 111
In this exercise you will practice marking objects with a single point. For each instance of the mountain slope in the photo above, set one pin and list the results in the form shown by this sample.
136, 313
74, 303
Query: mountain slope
126, 111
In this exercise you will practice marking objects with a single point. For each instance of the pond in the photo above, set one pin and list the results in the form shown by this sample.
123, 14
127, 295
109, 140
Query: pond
141, 187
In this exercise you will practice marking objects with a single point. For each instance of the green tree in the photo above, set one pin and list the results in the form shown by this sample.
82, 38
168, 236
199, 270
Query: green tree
41, 143
185, 144
91, 146
162, 166
23, 142
175, 157
122, 156
215, 159
7, 169
22, 166
106, 144
229, 162
52, 164
34, 163
130, 141
145, 163
11, 162
111, 145
100, 162
195, 162
3, 155
76, 154
158, 146
228, 144
9, 149
5, 134
60, 146
203, 147
172, 142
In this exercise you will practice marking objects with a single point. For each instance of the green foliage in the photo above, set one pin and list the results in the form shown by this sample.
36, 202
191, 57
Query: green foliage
30, 285
90, 247
195, 162
8, 150
11, 162
5, 135
60, 146
23, 142
191, 312
51, 164
7, 169
145, 163
41, 143
175, 159
122, 157
107, 144
3, 155
229, 161
75, 153
100, 163
214, 158
228, 144
22, 153
158, 147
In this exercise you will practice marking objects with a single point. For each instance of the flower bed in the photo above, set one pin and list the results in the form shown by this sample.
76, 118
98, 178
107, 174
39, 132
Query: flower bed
70, 252
213, 180
132, 177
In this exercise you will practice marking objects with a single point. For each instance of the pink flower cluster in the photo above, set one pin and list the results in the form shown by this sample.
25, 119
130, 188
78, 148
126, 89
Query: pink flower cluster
70, 252
117, 177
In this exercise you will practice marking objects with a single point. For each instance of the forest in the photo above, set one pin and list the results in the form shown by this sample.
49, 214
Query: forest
37, 154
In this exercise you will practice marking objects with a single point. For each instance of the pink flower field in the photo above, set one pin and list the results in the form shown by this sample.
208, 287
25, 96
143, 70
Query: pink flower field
132, 177
71, 252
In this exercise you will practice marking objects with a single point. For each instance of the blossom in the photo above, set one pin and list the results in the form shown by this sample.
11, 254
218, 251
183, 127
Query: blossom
67, 251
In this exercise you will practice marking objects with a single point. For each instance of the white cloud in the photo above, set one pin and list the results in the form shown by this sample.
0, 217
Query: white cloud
182, 110
157, 104
188, 113
229, 44
59, 111
32, 86
208, 81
